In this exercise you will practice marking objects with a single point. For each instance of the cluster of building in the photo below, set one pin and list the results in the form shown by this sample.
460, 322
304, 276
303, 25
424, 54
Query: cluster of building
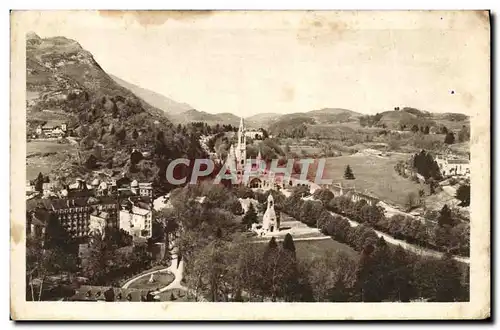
261, 178
52, 129
352, 194
84, 210
452, 166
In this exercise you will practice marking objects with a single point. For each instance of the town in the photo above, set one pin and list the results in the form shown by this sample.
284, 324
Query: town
303, 164
135, 221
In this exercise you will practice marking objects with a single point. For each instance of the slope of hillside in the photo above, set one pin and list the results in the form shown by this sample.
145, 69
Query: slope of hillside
64, 82
262, 119
157, 100
408, 117
299, 120
209, 118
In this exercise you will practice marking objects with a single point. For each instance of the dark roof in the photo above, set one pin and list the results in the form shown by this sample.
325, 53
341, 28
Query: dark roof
100, 214
107, 200
64, 203
53, 123
458, 161
80, 193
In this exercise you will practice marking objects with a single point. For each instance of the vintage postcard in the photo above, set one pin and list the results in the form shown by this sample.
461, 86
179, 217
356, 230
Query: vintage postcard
250, 165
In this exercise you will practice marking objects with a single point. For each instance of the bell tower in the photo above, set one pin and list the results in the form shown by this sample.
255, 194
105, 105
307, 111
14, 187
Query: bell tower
241, 148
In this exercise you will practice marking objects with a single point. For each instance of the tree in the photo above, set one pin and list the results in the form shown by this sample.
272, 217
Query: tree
449, 138
91, 162
288, 244
348, 174
250, 216
415, 128
426, 130
39, 182
324, 195
135, 157
444, 218
411, 200
448, 280
121, 134
135, 135
464, 134
463, 194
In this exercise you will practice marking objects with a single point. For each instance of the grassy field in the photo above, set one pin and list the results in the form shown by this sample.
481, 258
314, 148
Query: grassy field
43, 147
160, 280
311, 249
374, 174
44, 156
308, 250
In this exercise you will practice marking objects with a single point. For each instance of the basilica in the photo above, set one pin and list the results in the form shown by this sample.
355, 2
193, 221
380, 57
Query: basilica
237, 159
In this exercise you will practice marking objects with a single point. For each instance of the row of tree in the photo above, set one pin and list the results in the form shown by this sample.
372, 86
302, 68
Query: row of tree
384, 272
445, 233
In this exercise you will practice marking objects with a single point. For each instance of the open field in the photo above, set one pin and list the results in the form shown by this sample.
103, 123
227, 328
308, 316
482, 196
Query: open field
44, 156
373, 173
45, 146
160, 280
310, 249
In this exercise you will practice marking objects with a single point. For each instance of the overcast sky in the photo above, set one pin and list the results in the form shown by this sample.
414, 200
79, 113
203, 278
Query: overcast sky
254, 62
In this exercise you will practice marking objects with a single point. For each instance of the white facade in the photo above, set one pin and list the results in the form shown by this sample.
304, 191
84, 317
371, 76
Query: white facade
254, 134
97, 224
453, 166
270, 221
137, 222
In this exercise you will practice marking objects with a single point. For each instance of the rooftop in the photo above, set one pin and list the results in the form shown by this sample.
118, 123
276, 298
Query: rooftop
458, 161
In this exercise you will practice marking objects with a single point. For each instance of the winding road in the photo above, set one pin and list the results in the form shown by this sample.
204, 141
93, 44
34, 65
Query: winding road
405, 245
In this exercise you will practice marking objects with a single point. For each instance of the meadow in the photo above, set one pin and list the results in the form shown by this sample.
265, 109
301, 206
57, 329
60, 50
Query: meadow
374, 174
45, 156
308, 250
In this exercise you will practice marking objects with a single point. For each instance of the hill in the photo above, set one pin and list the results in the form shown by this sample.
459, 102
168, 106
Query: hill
64, 82
299, 121
157, 100
408, 117
209, 118
262, 119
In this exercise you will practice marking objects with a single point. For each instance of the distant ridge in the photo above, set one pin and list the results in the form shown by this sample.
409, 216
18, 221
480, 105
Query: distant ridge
157, 100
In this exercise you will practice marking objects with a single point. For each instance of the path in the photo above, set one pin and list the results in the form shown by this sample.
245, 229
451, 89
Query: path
177, 271
129, 282
407, 246
295, 239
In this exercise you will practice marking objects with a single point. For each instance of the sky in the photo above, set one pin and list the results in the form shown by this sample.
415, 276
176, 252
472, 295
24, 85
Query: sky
282, 62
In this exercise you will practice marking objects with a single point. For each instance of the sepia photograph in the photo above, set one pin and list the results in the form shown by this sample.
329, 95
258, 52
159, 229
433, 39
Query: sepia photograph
254, 159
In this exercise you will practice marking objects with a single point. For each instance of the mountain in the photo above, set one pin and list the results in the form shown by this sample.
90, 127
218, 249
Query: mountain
209, 118
300, 120
157, 100
262, 119
64, 82
407, 117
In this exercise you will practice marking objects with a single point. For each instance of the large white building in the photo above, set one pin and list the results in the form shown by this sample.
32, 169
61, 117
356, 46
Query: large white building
137, 221
452, 166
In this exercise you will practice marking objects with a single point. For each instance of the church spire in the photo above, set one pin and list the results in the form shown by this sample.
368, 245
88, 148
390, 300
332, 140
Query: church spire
242, 124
